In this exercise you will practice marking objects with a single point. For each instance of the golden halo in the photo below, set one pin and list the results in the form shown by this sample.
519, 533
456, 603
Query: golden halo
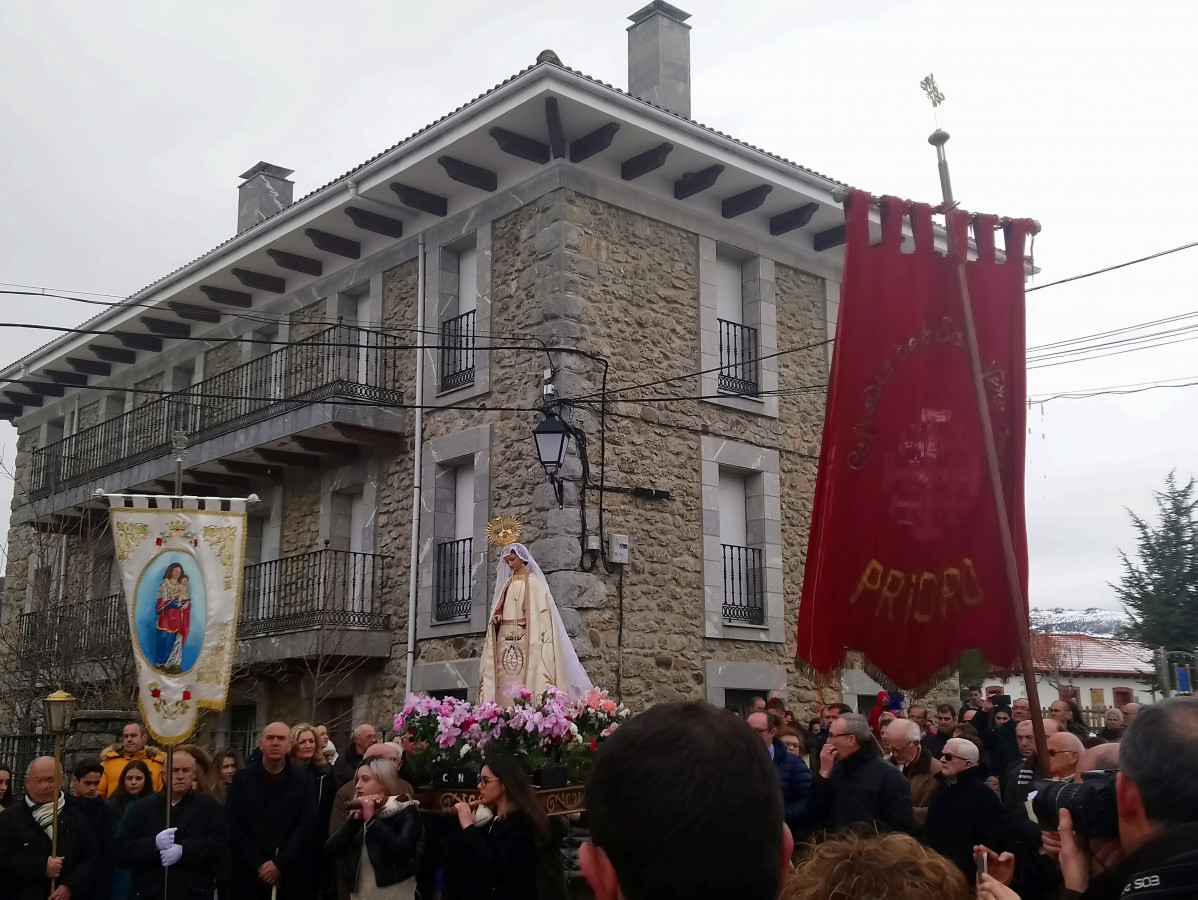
503, 530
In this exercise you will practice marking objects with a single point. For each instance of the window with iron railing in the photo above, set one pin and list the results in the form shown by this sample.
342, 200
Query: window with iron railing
738, 359
83, 630
457, 352
341, 361
453, 588
744, 585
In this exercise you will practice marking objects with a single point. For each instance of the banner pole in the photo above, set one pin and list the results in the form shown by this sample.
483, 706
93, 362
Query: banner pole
938, 139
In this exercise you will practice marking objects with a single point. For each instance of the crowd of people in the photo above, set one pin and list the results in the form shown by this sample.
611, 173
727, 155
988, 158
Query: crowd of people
683, 801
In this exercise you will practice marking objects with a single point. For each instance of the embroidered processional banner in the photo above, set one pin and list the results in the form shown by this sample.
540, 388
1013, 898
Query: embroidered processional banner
181, 570
905, 560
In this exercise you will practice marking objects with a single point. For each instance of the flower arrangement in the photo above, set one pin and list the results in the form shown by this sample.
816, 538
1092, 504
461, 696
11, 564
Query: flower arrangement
541, 732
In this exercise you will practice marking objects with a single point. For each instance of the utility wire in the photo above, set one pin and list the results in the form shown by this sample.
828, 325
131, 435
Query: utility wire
1122, 265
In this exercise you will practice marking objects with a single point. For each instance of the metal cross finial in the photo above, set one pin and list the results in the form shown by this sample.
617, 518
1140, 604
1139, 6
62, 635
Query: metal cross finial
933, 92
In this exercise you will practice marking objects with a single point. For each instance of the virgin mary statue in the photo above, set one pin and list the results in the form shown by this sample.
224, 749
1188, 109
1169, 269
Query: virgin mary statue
526, 645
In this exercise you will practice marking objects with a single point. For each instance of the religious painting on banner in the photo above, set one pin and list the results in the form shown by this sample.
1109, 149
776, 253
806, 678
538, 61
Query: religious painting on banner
905, 559
181, 570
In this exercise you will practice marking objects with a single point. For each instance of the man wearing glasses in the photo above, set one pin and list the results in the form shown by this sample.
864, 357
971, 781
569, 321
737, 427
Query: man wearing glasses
965, 812
918, 766
793, 774
855, 786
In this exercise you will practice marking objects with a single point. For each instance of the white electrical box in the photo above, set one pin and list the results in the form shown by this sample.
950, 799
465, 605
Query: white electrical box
618, 551
593, 543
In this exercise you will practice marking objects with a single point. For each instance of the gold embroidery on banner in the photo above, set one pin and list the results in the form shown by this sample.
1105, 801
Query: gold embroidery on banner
127, 536
179, 530
170, 709
215, 671
221, 538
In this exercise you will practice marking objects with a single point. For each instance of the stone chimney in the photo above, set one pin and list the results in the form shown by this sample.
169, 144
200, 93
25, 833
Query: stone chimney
264, 192
659, 57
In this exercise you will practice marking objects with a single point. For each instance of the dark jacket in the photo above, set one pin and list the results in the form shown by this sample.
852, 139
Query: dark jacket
272, 818
346, 767
200, 829
99, 820
934, 743
795, 778
1164, 867
497, 860
25, 847
1002, 748
964, 813
393, 838
1036, 875
862, 790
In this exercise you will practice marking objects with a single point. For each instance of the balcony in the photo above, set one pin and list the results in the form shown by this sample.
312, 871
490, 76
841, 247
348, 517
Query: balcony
744, 585
323, 603
339, 362
453, 588
739, 361
457, 352
81, 631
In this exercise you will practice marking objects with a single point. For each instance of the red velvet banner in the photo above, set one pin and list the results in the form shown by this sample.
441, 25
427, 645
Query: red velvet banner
905, 560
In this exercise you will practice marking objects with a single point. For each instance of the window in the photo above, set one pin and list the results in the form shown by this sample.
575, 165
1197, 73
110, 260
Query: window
1123, 696
742, 541
738, 329
995, 690
459, 289
243, 729
743, 589
455, 557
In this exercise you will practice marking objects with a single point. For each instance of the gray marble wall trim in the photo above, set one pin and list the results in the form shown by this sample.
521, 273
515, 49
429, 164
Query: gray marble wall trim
723, 676
436, 677
441, 456
441, 303
763, 502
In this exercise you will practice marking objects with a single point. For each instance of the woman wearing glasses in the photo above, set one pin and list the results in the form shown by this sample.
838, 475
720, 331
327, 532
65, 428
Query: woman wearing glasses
494, 854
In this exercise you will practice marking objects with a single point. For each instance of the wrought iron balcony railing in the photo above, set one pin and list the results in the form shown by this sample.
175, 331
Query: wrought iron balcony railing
457, 352
82, 630
738, 359
744, 585
454, 588
324, 589
341, 361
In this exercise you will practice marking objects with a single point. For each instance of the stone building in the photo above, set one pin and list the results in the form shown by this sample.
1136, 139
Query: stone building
392, 338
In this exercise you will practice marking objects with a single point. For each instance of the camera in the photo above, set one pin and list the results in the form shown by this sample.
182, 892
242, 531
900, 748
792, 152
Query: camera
1091, 804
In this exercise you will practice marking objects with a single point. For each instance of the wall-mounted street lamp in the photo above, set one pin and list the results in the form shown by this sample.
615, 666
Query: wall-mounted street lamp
551, 436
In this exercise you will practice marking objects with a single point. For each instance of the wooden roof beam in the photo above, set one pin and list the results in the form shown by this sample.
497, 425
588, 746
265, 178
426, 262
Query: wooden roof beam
553, 123
421, 201
519, 146
744, 202
792, 218
166, 327
194, 313
89, 367
644, 163
595, 142
826, 240
695, 182
113, 354
257, 280
334, 243
226, 297
135, 341
296, 263
370, 221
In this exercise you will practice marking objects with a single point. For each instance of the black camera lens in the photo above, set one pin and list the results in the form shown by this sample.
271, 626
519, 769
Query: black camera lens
1091, 804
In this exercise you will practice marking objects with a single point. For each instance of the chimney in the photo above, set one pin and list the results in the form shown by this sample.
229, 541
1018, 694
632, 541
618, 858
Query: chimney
659, 57
264, 192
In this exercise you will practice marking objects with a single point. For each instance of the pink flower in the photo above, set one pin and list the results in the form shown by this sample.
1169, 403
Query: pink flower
609, 706
594, 699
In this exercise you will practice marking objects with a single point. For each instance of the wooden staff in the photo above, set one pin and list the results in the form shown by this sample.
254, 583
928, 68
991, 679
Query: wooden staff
938, 139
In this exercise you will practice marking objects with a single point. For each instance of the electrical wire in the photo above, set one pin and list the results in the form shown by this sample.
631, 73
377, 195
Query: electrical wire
1122, 265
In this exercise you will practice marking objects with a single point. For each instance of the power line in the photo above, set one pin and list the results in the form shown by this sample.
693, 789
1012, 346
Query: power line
1114, 391
1122, 265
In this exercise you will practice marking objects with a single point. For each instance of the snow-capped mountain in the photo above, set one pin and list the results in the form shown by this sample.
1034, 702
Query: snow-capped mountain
1061, 620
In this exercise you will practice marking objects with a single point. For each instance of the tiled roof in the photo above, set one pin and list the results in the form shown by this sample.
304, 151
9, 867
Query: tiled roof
416, 134
1083, 653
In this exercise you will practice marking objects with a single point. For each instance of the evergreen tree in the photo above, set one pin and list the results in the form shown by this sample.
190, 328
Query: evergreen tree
1159, 588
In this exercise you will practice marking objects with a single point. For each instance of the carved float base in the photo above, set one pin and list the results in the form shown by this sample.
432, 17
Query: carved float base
557, 802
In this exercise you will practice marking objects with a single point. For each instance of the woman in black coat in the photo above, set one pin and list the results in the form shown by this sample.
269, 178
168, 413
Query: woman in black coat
378, 847
495, 854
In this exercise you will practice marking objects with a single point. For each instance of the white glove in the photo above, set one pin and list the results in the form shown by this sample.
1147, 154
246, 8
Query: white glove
170, 855
164, 839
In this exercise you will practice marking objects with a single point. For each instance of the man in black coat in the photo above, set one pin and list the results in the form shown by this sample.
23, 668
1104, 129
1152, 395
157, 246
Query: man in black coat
195, 848
84, 797
26, 864
793, 774
346, 767
965, 812
270, 809
855, 786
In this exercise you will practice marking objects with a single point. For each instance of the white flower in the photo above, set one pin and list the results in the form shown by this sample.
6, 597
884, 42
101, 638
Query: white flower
465, 749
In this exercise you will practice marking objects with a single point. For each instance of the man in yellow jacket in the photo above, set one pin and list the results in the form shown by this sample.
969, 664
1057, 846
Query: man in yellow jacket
133, 746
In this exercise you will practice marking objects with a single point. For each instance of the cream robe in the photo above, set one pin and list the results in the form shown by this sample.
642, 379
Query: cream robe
544, 664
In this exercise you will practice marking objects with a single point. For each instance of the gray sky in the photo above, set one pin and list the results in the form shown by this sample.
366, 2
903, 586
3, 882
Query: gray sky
126, 124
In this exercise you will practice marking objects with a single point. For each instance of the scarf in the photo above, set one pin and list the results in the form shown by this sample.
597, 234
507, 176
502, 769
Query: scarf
43, 813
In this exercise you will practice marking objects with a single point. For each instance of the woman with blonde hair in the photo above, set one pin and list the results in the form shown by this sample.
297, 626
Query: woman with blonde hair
379, 842
305, 753
879, 867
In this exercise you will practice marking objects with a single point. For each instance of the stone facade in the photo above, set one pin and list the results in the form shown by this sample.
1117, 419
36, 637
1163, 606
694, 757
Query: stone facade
221, 359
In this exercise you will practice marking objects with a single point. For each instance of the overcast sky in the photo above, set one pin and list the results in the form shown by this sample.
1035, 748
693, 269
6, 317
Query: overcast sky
125, 125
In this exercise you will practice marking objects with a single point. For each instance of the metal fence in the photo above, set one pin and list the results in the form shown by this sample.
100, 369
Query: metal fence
337, 361
738, 358
453, 588
457, 352
17, 751
744, 585
324, 588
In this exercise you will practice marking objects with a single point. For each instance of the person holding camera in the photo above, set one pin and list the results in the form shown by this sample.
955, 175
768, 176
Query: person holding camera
1149, 809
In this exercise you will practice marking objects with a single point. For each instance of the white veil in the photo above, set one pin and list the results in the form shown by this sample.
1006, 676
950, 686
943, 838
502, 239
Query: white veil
580, 683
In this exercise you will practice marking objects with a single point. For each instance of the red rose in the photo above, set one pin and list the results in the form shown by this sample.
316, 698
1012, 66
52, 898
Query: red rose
594, 744
159, 542
187, 695
157, 693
